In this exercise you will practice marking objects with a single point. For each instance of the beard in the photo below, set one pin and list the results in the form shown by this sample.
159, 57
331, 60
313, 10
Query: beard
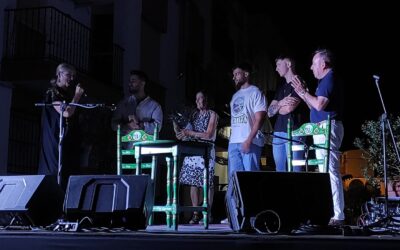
239, 84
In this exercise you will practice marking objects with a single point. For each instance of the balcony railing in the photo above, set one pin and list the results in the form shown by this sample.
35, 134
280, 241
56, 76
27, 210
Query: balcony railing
23, 147
47, 33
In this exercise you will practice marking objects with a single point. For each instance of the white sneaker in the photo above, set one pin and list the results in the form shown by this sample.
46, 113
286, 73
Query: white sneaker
225, 221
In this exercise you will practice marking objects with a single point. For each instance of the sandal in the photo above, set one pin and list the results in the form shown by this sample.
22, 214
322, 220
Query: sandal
195, 219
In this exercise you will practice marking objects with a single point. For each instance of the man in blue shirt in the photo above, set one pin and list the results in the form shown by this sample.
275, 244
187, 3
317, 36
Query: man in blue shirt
327, 101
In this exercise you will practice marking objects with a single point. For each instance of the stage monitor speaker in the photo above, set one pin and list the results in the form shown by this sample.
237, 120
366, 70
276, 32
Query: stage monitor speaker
30, 200
107, 200
287, 199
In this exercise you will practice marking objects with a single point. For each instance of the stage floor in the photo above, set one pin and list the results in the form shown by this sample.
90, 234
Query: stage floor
192, 237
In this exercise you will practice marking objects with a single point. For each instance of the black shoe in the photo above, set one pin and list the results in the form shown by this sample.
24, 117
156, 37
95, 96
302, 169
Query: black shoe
195, 219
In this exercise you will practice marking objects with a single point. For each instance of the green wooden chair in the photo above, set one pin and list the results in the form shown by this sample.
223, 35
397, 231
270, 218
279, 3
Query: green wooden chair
132, 137
322, 129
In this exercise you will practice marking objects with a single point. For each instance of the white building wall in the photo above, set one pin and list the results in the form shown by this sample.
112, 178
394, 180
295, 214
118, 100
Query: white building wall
127, 34
170, 75
4, 4
5, 95
204, 8
5, 106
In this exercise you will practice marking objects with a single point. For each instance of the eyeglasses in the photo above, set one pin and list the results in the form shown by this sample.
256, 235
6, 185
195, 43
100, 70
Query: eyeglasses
67, 74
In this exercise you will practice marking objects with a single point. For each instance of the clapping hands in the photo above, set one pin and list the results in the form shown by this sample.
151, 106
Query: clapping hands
299, 85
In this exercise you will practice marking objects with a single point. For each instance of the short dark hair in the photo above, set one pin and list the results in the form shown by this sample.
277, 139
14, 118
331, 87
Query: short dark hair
141, 74
244, 66
287, 57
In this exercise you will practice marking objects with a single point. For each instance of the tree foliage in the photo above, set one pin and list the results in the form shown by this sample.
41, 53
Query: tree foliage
372, 148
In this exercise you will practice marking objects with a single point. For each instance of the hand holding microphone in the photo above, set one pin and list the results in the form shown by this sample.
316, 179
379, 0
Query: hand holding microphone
80, 91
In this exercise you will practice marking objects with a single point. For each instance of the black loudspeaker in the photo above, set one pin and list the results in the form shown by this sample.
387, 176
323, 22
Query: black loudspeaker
30, 200
107, 200
287, 199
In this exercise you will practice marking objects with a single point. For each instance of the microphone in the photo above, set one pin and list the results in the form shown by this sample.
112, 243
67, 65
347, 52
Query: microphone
84, 92
376, 77
75, 83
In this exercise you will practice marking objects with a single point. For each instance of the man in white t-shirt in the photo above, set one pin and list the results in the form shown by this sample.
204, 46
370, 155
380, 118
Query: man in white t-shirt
137, 111
248, 111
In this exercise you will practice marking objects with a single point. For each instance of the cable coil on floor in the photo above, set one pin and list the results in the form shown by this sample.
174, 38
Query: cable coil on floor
266, 222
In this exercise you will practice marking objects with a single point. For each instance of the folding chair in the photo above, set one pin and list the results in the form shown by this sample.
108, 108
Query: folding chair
132, 137
321, 133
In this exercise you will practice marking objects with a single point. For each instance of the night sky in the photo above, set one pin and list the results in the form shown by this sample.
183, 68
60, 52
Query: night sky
364, 41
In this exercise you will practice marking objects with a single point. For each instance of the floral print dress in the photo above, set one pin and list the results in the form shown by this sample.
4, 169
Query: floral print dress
193, 166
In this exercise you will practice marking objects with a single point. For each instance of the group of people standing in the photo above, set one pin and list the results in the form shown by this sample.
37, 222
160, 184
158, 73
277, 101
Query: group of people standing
249, 109
327, 101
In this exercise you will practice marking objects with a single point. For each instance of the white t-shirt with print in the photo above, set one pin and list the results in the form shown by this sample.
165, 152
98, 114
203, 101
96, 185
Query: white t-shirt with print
244, 104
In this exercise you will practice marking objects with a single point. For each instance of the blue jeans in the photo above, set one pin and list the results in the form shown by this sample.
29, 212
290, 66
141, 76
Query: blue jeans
238, 161
280, 150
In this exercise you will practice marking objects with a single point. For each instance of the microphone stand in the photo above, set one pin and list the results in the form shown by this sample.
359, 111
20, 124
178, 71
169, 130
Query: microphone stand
63, 107
385, 122
306, 147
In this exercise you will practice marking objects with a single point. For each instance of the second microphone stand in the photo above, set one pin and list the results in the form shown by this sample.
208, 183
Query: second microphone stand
385, 123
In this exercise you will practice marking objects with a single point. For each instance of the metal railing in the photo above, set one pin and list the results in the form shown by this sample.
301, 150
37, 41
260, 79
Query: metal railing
23, 147
47, 33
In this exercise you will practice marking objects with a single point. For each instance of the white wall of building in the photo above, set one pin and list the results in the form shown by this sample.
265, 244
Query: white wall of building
4, 4
5, 95
5, 105
127, 34
204, 8
169, 56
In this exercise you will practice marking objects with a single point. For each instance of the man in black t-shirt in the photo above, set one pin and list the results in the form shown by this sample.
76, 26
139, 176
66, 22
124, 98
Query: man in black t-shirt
285, 105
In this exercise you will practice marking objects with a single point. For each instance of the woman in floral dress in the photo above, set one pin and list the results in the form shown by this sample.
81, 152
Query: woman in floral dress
203, 125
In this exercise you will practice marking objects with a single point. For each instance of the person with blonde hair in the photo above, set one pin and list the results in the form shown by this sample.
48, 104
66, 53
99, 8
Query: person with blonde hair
57, 97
